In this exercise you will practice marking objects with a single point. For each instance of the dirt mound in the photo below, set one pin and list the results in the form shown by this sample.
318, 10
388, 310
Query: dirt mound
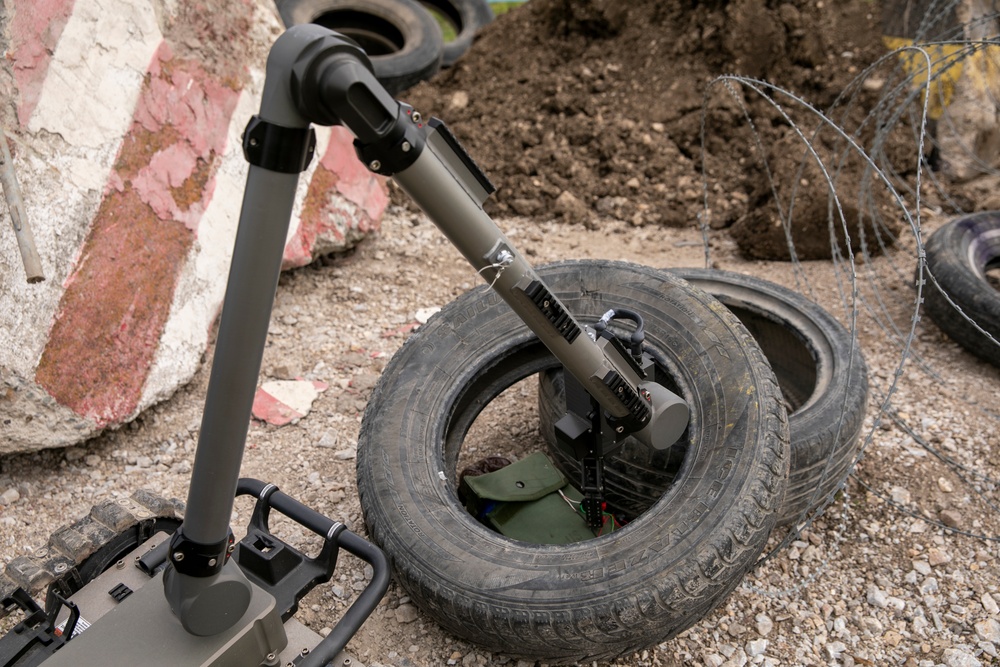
595, 106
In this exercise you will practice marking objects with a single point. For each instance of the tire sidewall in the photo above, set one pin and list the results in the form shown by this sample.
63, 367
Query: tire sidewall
825, 431
957, 256
471, 15
421, 53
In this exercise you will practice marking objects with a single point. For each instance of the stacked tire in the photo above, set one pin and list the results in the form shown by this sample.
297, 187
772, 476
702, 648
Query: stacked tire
824, 385
750, 359
401, 37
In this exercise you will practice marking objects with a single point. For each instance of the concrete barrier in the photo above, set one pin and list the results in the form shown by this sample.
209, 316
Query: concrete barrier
124, 120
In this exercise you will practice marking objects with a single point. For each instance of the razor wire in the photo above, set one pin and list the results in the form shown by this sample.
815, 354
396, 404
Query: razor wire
868, 285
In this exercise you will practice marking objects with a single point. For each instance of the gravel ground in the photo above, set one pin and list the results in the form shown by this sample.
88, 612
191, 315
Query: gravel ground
900, 570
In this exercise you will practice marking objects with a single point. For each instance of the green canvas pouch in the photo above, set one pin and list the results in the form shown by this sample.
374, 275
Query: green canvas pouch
522, 501
531, 478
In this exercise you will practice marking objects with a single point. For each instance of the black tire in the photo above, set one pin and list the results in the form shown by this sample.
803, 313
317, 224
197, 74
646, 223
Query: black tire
958, 256
467, 17
822, 376
597, 598
402, 40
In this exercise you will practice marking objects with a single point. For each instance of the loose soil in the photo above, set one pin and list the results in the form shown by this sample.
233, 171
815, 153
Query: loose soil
617, 109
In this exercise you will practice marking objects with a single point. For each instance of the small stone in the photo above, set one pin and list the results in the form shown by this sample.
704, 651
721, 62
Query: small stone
877, 597
568, 205
950, 518
929, 586
900, 495
10, 496
873, 85
945, 484
714, 660
953, 657
872, 625
937, 557
92, 460
835, 649
892, 638
406, 613
328, 440
459, 100
989, 604
764, 624
922, 566
756, 647
424, 314
658, 127
75, 454
346, 454
988, 630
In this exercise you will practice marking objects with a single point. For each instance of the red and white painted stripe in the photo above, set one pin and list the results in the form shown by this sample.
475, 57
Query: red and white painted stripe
132, 177
281, 402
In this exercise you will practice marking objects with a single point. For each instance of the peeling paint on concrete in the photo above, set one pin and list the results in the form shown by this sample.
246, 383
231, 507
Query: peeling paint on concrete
354, 181
178, 179
200, 290
89, 101
35, 30
116, 303
132, 169
343, 204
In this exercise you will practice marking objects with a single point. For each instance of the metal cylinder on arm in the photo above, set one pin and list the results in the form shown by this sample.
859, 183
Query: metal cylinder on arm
332, 84
205, 589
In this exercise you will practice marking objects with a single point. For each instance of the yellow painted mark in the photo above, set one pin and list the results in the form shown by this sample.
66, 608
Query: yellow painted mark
948, 64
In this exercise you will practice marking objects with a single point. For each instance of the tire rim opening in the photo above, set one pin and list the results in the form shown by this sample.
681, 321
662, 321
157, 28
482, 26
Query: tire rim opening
992, 273
503, 422
375, 35
793, 363
446, 17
